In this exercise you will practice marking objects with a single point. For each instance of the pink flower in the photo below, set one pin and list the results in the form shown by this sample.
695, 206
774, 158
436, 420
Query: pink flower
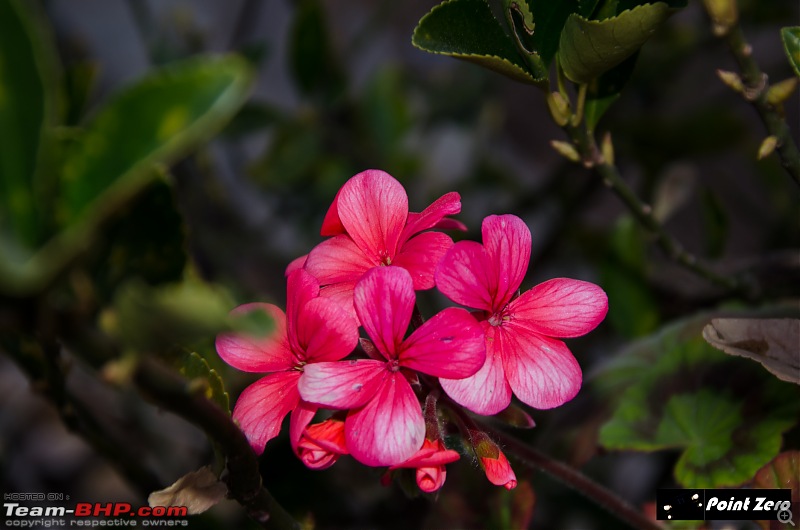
322, 444
384, 425
493, 461
313, 329
523, 354
429, 462
498, 470
371, 226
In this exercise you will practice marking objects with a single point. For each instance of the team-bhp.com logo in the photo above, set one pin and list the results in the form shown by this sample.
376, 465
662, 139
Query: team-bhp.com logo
92, 514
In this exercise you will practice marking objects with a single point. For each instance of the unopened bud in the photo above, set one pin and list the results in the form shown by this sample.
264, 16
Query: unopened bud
559, 108
724, 15
607, 149
767, 147
567, 150
780, 92
731, 79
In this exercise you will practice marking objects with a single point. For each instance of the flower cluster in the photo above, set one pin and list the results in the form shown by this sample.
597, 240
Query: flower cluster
365, 275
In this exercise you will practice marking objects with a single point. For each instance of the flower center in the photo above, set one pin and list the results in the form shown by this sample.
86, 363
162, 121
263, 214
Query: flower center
499, 317
394, 365
384, 258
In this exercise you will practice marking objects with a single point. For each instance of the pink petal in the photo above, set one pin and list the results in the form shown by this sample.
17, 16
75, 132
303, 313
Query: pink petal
541, 371
338, 259
561, 307
332, 225
322, 444
430, 479
487, 392
262, 406
450, 344
498, 471
384, 300
301, 287
301, 416
447, 204
342, 295
466, 276
450, 224
373, 207
297, 263
342, 384
325, 331
389, 429
257, 354
508, 243
432, 453
420, 255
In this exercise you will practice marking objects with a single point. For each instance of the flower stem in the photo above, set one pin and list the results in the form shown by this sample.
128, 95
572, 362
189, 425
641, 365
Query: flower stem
572, 478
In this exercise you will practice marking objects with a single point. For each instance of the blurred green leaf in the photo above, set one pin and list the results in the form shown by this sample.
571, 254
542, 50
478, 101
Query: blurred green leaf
253, 117
158, 120
158, 319
672, 390
467, 29
314, 65
146, 241
79, 80
587, 48
791, 44
28, 99
196, 368
715, 224
633, 312
385, 112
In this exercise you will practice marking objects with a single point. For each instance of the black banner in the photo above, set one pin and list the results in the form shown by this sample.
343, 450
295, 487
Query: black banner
723, 504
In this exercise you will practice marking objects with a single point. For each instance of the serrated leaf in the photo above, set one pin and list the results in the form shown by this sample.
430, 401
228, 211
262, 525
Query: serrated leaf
196, 368
673, 391
28, 98
548, 20
587, 48
791, 44
157, 120
467, 29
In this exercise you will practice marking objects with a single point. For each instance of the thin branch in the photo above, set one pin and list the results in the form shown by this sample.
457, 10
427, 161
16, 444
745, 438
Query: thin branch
755, 91
585, 142
171, 392
571, 477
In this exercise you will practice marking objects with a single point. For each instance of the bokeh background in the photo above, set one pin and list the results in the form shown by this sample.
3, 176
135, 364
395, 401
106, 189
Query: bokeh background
341, 89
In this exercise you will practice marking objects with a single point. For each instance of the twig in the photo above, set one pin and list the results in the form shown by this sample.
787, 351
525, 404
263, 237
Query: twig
170, 392
755, 90
572, 478
586, 145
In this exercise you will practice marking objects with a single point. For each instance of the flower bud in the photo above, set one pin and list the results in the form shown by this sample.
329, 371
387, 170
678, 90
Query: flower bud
767, 147
430, 462
493, 461
567, 150
607, 149
724, 15
559, 108
731, 79
780, 92
322, 444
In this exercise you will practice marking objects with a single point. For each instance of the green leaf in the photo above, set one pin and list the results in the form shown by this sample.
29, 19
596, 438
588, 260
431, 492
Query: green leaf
196, 368
467, 29
314, 66
28, 99
791, 44
158, 120
673, 391
605, 90
587, 48
548, 19
146, 241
